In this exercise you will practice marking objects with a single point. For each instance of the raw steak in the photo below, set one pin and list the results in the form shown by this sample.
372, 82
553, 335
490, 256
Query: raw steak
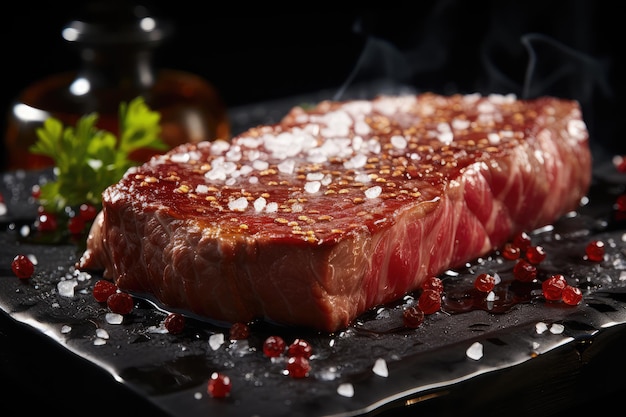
341, 207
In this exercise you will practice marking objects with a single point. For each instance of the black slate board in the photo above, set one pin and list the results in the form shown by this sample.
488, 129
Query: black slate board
429, 370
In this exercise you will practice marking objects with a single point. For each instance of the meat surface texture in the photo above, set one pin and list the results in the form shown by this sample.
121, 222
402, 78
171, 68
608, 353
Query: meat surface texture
340, 207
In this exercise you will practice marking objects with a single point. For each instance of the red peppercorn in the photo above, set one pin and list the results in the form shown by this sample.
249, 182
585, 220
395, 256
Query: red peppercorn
174, 323
219, 385
239, 331
429, 301
120, 303
22, 267
524, 271
535, 254
76, 225
298, 366
595, 251
87, 212
522, 241
484, 282
552, 288
433, 283
102, 289
620, 203
300, 347
412, 317
572, 295
510, 252
46, 222
273, 346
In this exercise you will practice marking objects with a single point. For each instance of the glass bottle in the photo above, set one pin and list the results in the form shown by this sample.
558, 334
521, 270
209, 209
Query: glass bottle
116, 45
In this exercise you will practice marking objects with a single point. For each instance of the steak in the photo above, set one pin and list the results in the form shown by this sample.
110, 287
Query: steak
340, 207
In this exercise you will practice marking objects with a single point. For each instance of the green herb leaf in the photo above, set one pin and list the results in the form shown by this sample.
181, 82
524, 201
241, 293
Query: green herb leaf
88, 160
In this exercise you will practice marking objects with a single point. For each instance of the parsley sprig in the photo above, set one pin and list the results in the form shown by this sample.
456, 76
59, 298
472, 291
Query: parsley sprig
88, 159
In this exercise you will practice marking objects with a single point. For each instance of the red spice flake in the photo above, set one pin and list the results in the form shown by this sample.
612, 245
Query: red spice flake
274, 346
429, 301
595, 251
553, 287
22, 267
511, 252
484, 282
535, 254
174, 323
120, 303
102, 289
572, 295
239, 331
412, 317
433, 283
300, 347
219, 385
522, 241
524, 271
298, 367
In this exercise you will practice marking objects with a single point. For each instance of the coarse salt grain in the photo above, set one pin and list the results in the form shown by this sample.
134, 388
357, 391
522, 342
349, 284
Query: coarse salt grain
259, 204
239, 204
541, 327
216, 340
66, 287
373, 192
312, 186
102, 334
475, 351
114, 318
398, 142
557, 328
380, 368
345, 390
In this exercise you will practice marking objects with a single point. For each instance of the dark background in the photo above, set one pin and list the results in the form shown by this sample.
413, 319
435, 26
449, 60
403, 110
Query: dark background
255, 53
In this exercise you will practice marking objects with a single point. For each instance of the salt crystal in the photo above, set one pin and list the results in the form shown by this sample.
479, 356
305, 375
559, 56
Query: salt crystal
65, 329
536, 345
493, 138
260, 165
380, 368
287, 166
32, 258
557, 328
312, 186
259, 204
541, 327
239, 204
99, 342
373, 192
345, 390
202, 189
364, 178
102, 334
66, 287
475, 351
25, 230
216, 340
314, 176
3, 209
491, 296
180, 157
357, 161
114, 318
197, 395
271, 207
398, 142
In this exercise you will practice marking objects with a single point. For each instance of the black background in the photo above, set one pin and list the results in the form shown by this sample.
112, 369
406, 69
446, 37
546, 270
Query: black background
255, 52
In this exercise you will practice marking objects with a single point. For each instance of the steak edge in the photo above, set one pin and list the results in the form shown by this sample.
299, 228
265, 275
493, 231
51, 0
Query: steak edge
340, 207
